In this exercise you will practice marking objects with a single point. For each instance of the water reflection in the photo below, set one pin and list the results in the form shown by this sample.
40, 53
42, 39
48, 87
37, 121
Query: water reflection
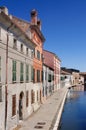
74, 114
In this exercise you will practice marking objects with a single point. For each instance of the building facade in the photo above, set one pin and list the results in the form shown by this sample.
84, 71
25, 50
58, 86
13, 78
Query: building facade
48, 81
20, 54
53, 62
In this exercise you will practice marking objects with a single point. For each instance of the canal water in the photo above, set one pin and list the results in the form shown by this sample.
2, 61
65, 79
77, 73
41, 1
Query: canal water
74, 113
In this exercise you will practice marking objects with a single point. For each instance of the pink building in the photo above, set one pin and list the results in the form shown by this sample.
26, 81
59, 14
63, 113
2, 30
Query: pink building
52, 60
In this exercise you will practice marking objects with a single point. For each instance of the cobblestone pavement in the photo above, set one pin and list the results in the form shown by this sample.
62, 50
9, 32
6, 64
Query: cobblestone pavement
45, 117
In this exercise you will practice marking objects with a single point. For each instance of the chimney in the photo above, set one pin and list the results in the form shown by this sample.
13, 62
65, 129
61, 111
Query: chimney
34, 17
4, 9
39, 24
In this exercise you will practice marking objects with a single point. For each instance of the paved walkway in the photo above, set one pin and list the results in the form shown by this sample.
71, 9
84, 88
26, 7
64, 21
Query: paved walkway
45, 117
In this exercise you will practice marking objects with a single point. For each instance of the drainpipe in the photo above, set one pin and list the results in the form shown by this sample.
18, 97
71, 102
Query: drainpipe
6, 85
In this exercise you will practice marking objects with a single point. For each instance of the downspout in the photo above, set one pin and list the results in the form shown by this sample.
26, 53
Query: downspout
6, 85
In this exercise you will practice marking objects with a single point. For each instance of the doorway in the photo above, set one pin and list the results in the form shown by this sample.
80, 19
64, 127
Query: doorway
21, 106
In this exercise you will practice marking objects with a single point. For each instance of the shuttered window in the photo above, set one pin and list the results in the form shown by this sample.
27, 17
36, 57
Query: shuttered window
14, 105
0, 93
27, 73
14, 71
32, 73
21, 72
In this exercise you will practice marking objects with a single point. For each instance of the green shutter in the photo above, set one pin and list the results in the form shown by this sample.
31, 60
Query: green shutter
14, 71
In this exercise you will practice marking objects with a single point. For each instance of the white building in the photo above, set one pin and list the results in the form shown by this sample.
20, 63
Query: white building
48, 81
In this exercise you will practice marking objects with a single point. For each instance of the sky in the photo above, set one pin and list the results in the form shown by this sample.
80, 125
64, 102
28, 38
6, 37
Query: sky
63, 26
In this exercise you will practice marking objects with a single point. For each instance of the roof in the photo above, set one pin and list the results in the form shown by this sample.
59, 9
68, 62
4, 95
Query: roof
27, 25
83, 73
14, 27
70, 70
65, 73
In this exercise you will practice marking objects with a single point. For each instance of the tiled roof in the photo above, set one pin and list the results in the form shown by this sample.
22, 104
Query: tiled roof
5, 19
27, 25
22, 23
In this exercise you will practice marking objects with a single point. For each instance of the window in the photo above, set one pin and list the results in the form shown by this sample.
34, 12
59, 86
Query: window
14, 105
32, 53
32, 73
27, 73
14, 43
0, 69
27, 99
14, 71
21, 72
42, 76
26, 51
38, 75
32, 96
38, 55
45, 75
0, 93
21, 47
49, 78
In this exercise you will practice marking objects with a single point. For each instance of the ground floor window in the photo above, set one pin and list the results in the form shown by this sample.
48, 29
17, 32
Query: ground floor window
27, 98
13, 105
32, 96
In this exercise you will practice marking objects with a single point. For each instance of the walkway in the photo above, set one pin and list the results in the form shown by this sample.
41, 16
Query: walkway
45, 117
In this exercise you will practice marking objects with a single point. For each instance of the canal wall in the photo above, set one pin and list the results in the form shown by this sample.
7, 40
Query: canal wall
57, 117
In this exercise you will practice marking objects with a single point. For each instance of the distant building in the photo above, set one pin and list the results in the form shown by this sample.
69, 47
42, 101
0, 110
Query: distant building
53, 62
48, 81
66, 79
75, 74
